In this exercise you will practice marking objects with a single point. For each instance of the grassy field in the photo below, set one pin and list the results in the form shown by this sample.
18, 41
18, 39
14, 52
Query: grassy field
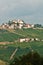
8, 36
16, 34
23, 48
31, 33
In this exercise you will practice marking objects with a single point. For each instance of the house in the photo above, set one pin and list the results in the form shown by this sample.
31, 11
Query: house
15, 24
11, 26
4, 26
22, 40
20, 23
32, 39
27, 26
27, 39
14, 21
37, 39
32, 25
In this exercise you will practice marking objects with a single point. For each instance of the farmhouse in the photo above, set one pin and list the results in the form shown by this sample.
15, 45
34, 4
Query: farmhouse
32, 39
22, 40
27, 39
37, 39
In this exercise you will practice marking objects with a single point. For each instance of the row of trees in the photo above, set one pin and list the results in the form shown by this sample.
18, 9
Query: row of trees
32, 58
38, 25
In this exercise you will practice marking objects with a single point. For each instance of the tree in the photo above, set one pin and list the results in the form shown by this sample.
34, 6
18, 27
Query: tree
9, 22
32, 58
38, 25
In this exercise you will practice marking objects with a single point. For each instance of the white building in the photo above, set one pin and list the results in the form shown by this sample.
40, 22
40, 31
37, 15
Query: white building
5, 26
27, 26
32, 25
22, 40
32, 39
37, 39
11, 26
27, 39
20, 22
14, 22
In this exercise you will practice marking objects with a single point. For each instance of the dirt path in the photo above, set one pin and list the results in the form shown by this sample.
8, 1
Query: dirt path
13, 54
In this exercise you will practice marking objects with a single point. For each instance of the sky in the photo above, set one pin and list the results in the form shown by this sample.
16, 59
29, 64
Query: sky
31, 11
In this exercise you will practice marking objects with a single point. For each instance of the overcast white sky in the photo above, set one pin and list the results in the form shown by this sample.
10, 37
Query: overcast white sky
31, 11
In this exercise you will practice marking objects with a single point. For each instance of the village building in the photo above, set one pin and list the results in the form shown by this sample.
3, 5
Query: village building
4, 26
32, 26
24, 40
27, 26
17, 24
11, 26
20, 24
14, 22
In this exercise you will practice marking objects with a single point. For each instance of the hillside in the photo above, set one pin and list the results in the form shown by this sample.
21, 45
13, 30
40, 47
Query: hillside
6, 35
31, 33
23, 48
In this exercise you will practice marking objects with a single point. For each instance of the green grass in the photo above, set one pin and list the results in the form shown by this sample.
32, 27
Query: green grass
7, 36
23, 48
31, 33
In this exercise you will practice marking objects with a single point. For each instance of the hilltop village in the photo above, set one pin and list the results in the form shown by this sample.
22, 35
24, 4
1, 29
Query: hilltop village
19, 24
16, 24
